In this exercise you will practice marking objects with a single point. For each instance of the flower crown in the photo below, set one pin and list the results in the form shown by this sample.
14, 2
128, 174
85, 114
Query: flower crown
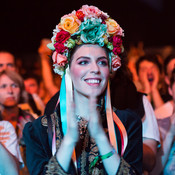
86, 25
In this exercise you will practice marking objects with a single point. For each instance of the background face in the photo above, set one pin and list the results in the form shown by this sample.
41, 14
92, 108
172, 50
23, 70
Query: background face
7, 62
9, 92
31, 86
148, 68
89, 70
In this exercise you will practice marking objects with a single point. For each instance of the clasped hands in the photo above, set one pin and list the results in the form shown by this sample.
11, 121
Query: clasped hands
94, 126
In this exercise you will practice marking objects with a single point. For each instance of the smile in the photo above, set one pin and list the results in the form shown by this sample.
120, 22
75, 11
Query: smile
93, 81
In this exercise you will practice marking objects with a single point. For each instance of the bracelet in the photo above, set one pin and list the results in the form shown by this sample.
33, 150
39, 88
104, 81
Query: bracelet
100, 157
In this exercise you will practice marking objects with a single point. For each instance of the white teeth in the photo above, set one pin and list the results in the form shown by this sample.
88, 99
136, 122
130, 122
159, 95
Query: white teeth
92, 81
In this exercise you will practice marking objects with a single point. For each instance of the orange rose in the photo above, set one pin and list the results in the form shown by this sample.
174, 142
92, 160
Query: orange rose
112, 26
69, 23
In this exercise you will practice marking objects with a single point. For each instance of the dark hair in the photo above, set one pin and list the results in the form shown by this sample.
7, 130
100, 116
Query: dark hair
166, 62
151, 58
33, 76
124, 94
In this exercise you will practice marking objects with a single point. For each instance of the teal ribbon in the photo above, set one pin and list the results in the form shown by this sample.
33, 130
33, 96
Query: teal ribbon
63, 105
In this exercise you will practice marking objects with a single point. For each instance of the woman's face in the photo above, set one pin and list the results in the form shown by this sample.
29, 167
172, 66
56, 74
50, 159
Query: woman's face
90, 70
9, 92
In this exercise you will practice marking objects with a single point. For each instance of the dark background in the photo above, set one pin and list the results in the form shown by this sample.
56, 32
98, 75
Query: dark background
25, 23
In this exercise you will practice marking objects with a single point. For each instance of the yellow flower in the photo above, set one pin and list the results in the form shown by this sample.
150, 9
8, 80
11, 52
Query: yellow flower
69, 23
112, 26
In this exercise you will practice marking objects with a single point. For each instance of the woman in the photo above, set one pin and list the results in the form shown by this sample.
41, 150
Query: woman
11, 94
78, 135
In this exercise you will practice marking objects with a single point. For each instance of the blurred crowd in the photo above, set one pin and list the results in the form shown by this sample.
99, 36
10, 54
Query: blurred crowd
148, 88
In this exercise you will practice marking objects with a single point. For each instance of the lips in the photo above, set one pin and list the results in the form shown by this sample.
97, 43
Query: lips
10, 98
93, 81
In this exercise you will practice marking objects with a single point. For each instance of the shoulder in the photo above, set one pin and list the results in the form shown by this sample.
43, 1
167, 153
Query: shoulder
35, 128
131, 121
126, 116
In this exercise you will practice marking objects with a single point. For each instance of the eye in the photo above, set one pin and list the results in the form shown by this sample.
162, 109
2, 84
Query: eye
3, 86
83, 62
103, 62
10, 65
14, 85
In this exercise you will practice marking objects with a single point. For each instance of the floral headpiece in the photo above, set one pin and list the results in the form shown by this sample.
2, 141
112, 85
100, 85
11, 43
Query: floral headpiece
86, 25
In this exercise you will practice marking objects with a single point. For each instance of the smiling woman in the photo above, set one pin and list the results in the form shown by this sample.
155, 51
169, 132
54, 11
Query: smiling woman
89, 70
80, 133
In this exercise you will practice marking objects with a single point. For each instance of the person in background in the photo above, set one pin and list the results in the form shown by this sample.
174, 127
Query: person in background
166, 156
32, 86
149, 70
11, 94
166, 109
124, 95
76, 134
135, 51
9, 150
51, 82
7, 61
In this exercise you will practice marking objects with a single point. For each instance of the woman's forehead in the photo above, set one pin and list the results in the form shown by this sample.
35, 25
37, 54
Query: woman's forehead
5, 79
90, 50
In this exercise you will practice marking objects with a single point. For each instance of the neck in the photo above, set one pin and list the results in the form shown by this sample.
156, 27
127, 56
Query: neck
10, 113
81, 104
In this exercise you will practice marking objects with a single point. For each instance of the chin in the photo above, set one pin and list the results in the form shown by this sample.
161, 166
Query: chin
10, 104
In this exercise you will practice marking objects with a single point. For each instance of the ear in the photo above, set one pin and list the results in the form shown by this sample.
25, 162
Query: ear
167, 81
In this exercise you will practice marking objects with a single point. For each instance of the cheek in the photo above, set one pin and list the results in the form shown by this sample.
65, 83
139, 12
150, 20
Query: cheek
17, 94
106, 73
77, 73
2, 97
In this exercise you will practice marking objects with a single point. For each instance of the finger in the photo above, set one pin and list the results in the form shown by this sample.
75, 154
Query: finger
71, 114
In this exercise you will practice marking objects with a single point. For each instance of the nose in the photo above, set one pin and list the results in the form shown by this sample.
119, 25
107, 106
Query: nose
9, 89
4, 67
95, 68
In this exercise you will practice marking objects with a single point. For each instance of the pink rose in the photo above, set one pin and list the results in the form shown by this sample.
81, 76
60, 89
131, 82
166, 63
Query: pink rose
117, 40
91, 11
116, 63
62, 36
59, 59
60, 48
117, 50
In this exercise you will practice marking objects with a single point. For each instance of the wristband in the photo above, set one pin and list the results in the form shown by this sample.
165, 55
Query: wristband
100, 157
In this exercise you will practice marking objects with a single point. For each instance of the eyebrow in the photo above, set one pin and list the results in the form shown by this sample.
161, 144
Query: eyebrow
99, 58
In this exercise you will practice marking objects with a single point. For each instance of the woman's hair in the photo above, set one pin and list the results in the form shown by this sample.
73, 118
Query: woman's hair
14, 76
151, 58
